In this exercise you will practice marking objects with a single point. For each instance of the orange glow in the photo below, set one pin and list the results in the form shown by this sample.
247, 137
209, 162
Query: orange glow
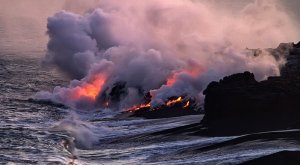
168, 103
171, 102
192, 72
89, 89
187, 104
138, 107
171, 80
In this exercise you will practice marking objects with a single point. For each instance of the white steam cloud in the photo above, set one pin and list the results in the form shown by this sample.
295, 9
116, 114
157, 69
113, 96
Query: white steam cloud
170, 48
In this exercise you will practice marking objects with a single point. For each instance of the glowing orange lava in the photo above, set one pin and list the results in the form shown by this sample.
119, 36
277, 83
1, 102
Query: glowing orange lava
187, 104
138, 107
168, 103
89, 89
171, 102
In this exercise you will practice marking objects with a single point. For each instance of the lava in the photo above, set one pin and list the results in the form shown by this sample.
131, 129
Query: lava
187, 104
171, 102
138, 107
89, 89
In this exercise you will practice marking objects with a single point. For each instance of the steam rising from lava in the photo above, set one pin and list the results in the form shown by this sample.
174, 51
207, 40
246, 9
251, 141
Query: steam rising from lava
170, 48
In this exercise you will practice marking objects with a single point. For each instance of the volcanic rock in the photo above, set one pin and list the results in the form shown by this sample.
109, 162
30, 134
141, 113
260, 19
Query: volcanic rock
164, 113
239, 104
182, 108
292, 67
111, 97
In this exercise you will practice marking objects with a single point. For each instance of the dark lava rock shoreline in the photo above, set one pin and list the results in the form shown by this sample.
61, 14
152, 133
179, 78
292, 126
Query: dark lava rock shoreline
238, 104
164, 113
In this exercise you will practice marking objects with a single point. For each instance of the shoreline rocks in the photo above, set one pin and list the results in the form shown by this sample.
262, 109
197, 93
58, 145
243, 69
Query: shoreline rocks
239, 104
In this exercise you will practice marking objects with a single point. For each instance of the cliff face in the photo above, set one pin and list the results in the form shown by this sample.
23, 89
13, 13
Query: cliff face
239, 104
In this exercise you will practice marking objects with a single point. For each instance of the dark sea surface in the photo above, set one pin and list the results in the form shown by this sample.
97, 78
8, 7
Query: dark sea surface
32, 132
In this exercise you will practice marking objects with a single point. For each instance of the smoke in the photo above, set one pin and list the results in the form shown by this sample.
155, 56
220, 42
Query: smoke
170, 48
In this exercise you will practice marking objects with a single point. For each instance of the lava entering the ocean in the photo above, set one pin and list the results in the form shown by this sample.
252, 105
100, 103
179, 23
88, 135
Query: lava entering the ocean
187, 104
175, 106
171, 102
90, 89
138, 107
183, 103
167, 55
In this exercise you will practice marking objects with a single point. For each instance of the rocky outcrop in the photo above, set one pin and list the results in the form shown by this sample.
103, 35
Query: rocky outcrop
292, 67
239, 104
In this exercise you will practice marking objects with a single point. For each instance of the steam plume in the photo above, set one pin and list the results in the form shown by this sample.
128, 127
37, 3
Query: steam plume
170, 48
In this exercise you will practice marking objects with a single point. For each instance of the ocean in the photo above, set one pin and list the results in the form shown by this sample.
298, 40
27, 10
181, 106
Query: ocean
33, 132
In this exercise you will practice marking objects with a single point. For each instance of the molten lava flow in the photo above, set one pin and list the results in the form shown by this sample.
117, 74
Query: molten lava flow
171, 102
89, 89
168, 104
138, 107
187, 104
